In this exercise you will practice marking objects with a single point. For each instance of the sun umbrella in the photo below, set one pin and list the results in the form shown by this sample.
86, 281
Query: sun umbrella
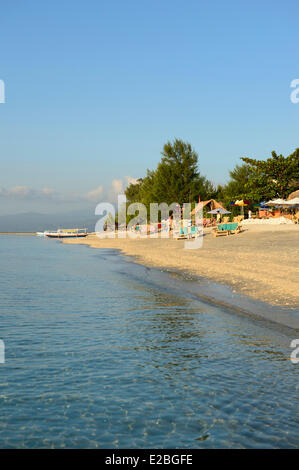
242, 203
277, 202
293, 202
219, 211
263, 204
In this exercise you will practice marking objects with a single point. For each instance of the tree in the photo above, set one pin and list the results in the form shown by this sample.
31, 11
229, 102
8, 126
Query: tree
275, 177
176, 178
132, 191
236, 186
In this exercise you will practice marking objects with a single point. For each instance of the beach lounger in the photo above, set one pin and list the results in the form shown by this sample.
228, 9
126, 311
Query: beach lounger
182, 234
220, 231
194, 231
235, 228
227, 229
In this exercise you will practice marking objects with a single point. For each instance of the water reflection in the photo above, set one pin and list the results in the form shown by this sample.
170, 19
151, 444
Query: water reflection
100, 356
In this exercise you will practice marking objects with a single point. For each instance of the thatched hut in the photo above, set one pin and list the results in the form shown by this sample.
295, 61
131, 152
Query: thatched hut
296, 210
211, 203
293, 195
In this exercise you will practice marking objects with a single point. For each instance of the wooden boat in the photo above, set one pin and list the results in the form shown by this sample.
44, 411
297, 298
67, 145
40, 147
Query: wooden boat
43, 234
67, 233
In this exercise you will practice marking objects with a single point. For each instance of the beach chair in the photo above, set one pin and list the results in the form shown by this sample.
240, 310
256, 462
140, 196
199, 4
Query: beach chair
182, 234
227, 229
234, 228
238, 219
193, 232
220, 230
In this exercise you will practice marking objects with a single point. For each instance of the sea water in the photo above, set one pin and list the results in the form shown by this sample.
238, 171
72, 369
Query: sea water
102, 352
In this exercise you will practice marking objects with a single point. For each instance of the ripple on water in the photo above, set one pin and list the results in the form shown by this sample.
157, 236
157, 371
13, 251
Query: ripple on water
99, 356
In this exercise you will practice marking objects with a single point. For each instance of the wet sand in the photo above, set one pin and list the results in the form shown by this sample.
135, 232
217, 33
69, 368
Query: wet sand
261, 262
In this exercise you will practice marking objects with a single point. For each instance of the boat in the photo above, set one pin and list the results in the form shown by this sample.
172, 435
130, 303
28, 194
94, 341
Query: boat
43, 234
67, 233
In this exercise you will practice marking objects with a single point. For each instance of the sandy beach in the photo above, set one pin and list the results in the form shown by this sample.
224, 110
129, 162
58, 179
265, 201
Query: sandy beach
261, 262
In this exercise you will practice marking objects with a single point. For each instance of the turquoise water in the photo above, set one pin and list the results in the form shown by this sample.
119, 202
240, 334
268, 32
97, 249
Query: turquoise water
105, 353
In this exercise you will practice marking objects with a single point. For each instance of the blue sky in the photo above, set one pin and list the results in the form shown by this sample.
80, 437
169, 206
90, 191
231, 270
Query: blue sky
94, 89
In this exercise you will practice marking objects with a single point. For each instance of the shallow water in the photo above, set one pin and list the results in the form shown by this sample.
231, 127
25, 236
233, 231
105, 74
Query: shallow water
105, 353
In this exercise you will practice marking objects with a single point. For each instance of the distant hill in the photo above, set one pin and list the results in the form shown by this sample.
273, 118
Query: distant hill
34, 222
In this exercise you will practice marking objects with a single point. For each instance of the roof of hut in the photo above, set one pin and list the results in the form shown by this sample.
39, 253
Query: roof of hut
213, 205
293, 195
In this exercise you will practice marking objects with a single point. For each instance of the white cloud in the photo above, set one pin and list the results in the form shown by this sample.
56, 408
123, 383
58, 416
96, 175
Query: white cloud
46, 194
48, 191
24, 192
19, 191
131, 180
95, 194
117, 186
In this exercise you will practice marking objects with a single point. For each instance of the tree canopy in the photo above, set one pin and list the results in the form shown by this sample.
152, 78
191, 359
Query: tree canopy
236, 186
176, 178
275, 177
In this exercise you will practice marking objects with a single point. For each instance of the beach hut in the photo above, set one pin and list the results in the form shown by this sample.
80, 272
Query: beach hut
293, 195
212, 203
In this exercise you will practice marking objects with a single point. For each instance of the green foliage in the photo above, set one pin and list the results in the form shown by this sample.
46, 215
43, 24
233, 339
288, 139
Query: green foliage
262, 180
275, 177
236, 187
133, 191
176, 178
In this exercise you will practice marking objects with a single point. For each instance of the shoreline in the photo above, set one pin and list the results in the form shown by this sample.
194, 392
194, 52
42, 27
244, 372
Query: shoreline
218, 295
17, 233
234, 263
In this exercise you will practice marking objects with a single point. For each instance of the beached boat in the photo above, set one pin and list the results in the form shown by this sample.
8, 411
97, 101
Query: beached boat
67, 233
43, 234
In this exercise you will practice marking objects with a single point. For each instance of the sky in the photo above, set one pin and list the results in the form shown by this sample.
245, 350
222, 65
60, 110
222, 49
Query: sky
94, 89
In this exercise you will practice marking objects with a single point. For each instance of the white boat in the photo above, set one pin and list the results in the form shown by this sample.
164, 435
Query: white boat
67, 233
43, 234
